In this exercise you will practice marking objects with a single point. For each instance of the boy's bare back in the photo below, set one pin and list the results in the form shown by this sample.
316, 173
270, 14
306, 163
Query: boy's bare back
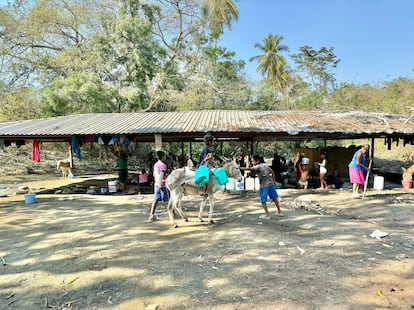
304, 172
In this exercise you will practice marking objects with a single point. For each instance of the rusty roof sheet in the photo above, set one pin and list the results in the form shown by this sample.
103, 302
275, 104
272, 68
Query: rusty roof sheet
222, 123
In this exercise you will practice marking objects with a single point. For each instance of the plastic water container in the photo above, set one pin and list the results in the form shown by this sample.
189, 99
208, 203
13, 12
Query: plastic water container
231, 184
240, 185
29, 198
221, 175
305, 161
379, 182
112, 186
256, 184
249, 184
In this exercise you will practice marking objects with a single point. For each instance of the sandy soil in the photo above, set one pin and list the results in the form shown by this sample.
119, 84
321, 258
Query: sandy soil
79, 251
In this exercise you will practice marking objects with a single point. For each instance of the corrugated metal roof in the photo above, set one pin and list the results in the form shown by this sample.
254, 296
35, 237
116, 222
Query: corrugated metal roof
222, 123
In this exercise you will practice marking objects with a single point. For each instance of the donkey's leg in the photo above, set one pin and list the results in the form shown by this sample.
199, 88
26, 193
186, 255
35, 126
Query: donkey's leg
178, 206
171, 207
202, 204
210, 214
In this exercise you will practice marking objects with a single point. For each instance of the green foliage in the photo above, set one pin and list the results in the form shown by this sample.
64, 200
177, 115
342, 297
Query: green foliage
219, 13
266, 98
214, 82
282, 148
79, 93
317, 65
271, 63
20, 104
132, 59
396, 96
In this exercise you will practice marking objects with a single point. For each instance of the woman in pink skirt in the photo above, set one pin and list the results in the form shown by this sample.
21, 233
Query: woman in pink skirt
358, 169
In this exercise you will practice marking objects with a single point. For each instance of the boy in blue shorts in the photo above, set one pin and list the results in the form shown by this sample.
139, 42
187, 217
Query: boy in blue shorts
267, 180
160, 191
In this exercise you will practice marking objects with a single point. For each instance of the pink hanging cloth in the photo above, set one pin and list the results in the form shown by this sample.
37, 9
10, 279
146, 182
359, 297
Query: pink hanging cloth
36, 150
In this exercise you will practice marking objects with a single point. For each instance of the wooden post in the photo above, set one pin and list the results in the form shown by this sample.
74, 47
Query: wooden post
183, 163
158, 142
372, 148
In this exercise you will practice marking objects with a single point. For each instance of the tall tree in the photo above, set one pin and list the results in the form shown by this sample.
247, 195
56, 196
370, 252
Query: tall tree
120, 55
219, 13
292, 88
22, 103
214, 81
271, 63
203, 67
33, 33
132, 57
107, 47
318, 65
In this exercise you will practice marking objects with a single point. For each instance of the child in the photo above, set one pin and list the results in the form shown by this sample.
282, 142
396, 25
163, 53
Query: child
322, 171
304, 172
160, 191
298, 164
267, 181
206, 156
206, 153
143, 179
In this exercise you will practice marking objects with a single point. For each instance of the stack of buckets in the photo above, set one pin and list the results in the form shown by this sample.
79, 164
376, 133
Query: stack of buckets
113, 186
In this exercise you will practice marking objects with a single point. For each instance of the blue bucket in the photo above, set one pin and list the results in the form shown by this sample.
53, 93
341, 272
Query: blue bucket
201, 175
29, 198
221, 176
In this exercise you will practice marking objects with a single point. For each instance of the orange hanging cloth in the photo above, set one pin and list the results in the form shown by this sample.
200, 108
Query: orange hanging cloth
36, 150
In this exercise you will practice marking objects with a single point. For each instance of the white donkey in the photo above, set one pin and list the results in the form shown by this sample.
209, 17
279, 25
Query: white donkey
181, 182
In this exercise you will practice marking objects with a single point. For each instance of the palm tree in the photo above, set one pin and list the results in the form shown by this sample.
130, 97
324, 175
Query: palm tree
219, 13
271, 64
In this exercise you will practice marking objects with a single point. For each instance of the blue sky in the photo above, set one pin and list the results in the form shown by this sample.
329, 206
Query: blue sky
374, 39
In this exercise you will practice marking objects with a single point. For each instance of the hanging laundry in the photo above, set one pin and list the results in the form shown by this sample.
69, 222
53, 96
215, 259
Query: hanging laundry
76, 144
114, 140
19, 143
90, 139
104, 140
36, 150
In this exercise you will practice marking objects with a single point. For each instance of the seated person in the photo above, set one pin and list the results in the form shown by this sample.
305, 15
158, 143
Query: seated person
144, 178
335, 179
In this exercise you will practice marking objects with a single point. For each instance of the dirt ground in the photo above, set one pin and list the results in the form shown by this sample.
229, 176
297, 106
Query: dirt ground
77, 251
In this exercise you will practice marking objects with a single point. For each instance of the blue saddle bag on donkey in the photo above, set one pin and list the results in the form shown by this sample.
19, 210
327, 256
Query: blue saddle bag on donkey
221, 176
201, 175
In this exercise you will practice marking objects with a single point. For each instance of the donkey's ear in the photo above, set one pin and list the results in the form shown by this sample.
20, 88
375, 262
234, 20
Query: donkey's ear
222, 158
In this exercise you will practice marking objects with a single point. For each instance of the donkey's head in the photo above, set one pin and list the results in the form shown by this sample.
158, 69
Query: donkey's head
232, 169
